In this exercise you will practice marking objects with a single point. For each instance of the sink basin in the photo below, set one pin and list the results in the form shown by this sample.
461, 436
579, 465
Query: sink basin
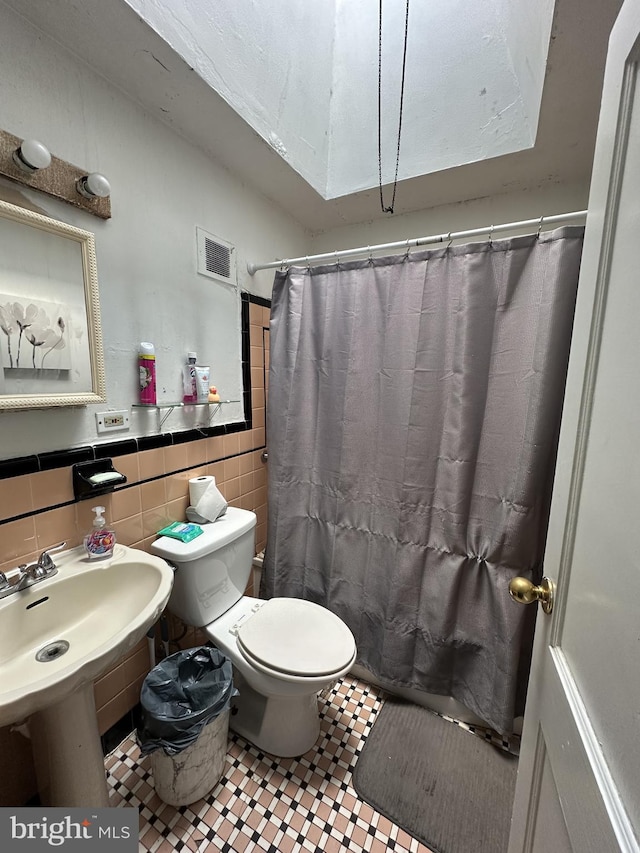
59, 635
100, 608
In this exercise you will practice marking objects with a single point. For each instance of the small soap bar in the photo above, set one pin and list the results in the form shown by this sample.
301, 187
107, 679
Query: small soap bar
180, 530
106, 477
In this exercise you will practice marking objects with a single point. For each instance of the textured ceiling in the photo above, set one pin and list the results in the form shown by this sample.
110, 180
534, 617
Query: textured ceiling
472, 86
113, 39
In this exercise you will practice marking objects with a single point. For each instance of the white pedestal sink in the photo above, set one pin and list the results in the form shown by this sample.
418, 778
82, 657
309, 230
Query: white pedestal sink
56, 638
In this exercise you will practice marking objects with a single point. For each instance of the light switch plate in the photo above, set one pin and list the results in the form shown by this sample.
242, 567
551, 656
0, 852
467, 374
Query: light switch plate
109, 421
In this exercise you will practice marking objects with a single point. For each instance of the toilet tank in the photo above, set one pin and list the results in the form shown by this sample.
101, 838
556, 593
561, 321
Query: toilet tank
213, 569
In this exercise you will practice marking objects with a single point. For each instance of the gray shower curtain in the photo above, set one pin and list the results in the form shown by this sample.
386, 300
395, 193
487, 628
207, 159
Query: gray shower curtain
412, 422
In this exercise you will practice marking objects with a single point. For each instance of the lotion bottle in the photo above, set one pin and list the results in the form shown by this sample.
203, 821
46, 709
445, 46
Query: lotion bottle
202, 383
101, 540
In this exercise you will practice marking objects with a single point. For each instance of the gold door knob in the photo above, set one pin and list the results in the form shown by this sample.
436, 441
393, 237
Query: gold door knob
525, 592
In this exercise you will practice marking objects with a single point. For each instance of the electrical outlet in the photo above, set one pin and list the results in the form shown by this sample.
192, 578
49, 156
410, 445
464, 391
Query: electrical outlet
108, 421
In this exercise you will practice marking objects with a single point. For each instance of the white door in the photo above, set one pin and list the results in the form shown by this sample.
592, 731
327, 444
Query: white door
578, 787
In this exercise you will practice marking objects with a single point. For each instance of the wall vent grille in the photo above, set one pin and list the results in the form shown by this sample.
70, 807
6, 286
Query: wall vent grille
216, 258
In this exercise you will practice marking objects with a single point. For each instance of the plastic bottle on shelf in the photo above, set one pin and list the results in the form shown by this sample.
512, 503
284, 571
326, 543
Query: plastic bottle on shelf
189, 379
147, 373
202, 382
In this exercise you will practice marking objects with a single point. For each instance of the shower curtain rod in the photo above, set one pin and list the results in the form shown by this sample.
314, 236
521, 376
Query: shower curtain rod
555, 219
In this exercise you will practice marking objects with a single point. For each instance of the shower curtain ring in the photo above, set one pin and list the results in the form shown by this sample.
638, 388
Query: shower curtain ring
408, 252
450, 239
491, 235
540, 226
335, 252
370, 255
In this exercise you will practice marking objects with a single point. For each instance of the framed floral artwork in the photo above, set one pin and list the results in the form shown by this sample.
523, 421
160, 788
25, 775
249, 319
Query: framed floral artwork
50, 337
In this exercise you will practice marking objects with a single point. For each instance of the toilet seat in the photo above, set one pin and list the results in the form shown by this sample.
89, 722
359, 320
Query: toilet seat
294, 637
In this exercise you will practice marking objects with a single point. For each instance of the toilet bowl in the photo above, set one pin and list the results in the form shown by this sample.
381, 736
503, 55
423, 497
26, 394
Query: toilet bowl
279, 680
284, 650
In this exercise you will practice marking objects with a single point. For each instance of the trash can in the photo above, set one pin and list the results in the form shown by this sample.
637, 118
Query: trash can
185, 722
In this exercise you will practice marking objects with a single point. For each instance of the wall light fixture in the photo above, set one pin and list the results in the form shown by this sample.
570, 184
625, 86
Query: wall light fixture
31, 155
29, 163
94, 185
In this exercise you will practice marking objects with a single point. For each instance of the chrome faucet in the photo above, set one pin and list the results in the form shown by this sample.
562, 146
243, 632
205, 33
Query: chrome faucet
44, 567
45, 563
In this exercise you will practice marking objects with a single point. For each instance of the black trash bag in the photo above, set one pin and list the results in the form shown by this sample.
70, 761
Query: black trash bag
181, 695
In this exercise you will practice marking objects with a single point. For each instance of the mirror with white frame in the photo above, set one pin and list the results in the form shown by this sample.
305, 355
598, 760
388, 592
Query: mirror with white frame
50, 335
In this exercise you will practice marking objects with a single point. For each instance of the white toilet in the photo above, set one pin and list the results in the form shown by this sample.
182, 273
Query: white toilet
284, 651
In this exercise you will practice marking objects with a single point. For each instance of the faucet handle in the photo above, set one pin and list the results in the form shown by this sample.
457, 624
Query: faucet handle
44, 560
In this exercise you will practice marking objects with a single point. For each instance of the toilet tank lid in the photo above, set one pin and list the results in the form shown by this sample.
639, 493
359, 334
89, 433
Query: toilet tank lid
233, 524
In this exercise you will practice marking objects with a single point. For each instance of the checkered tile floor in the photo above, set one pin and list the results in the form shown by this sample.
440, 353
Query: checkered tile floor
278, 805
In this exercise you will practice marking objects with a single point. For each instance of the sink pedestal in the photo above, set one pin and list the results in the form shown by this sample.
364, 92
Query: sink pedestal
67, 752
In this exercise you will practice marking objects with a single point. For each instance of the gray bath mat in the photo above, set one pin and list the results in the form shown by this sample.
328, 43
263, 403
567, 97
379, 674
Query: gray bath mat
448, 788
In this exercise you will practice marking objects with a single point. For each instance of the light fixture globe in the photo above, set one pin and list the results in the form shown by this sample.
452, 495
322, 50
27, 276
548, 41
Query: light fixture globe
31, 155
94, 185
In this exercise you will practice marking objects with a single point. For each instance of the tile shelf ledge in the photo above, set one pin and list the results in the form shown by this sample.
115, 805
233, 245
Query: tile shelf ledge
159, 407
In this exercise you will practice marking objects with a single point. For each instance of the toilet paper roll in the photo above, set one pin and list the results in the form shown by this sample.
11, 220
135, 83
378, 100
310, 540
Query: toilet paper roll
198, 486
207, 503
212, 504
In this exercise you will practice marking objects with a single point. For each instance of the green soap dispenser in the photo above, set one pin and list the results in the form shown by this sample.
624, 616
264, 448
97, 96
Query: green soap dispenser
101, 540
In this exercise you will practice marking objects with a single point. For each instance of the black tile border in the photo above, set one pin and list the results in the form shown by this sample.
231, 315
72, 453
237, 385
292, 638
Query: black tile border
257, 300
64, 458
186, 436
246, 358
116, 448
153, 442
51, 460
18, 466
